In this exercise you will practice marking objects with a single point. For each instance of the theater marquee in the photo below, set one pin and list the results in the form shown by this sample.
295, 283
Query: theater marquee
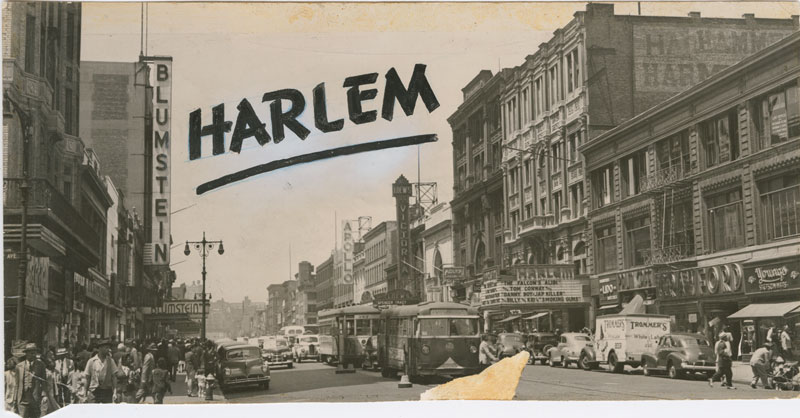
533, 285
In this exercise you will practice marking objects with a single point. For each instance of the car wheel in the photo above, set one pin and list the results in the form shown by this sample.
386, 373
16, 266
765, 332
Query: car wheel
543, 361
672, 371
291, 365
614, 363
646, 369
552, 362
584, 363
564, 362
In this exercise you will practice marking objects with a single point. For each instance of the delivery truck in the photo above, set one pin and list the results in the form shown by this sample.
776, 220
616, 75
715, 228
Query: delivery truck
622, 339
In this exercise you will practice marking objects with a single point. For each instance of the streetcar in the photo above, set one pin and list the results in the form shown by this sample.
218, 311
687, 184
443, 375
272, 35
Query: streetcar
359, 326
429, 339
291, 332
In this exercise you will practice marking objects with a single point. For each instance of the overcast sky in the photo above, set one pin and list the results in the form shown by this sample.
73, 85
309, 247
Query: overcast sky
225, 52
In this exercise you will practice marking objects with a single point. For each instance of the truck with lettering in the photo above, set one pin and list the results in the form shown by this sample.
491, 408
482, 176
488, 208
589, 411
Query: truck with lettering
623, 339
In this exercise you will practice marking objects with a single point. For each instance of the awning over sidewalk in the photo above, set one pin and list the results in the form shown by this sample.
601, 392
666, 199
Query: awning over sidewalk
602, 308
509, 319
538, 315
767, 310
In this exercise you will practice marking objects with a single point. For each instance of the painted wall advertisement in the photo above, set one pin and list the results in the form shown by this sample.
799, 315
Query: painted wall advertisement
37, 282
79, 293
774, 275
534, 285
668, 56
162, 98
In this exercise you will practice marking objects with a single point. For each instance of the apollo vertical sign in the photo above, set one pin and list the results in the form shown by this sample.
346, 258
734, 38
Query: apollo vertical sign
347, 252
162, 98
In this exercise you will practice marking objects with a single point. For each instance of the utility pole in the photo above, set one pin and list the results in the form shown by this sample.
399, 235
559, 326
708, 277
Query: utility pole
204, 247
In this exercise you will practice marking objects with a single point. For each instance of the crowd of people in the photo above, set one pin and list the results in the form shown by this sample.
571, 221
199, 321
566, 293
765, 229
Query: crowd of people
106, 371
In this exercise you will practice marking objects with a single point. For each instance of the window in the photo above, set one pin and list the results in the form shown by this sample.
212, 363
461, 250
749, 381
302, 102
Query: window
30, 44
528, 175
720, 138
554, 85
576, 199
637, 241
576, 74
494, 116
69, 114
70, 37
556, 154
514, 221
672, 154
42, 40
725, 220
557, 206
603, 186
573, 147
634, 170
539, 101
679, 227
780, 206
569, 73
776, 117
528, 211
525, 106
606, 255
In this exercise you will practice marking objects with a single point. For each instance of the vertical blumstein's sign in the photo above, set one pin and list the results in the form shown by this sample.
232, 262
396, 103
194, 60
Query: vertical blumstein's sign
162, 98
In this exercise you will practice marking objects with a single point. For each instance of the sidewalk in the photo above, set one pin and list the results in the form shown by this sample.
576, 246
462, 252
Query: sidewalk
178, 395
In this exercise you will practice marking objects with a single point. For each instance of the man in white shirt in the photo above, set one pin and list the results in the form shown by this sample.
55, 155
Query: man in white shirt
101, 374
485, 353
786, 344
63, 367
30, 375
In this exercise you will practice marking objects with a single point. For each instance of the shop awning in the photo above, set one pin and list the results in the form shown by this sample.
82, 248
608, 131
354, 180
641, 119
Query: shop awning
509, 319
767, 310
609, 307
538, 315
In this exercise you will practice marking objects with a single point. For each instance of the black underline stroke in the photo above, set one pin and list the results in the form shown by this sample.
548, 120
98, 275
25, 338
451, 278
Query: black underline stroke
314, 156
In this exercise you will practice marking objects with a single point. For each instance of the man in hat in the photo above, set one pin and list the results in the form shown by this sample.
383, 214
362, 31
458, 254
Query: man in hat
101, 374
148, 364
63, 367
173, 358
31, 373
760, 363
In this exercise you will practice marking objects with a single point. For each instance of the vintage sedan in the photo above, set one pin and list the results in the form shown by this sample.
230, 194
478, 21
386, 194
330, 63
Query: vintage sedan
538, 344
241, 364
569, 349
306, 347
678, 354
509, 344
276, 352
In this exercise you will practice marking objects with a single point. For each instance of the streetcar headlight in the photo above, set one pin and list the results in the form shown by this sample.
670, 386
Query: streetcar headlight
425, 349
227, 371
473, 349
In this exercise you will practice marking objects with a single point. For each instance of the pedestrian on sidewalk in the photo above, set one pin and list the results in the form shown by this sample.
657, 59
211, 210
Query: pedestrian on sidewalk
786, 344
146, 382
11, 384
724, 362
174, 357
161, 381
101, 374
190, 372
31, 374
49, 403
485, 353
64, 366
760, 363
77, 383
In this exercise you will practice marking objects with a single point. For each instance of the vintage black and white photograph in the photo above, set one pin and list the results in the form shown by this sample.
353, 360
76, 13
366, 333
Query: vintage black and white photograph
245, 202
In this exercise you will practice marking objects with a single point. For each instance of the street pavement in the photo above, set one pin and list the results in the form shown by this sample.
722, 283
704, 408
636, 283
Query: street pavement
315, 382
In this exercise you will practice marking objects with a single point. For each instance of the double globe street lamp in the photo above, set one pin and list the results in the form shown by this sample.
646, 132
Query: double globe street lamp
204, 247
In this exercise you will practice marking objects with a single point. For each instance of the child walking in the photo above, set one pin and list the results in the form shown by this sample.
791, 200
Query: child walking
160, 381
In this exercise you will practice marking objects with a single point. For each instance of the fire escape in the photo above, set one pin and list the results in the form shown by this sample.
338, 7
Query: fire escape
670, 188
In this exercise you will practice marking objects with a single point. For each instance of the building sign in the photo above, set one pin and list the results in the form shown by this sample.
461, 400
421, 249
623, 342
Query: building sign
137, 296
37, 282
452, 275
673, 57
609, 291
401, 190
769, 276
162, 98
348, 246
191, 307
78, 293
98, 292
540, 285
635, 280
704, 281
394, 297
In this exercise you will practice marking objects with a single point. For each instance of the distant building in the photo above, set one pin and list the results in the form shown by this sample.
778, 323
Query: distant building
324, 284
378, 257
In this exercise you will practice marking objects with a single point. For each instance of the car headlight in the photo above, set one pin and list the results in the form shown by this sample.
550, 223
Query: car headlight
264, 368
425, 349
473, 349
227, 371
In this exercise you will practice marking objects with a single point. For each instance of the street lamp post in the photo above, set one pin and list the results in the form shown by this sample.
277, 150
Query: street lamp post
204, 247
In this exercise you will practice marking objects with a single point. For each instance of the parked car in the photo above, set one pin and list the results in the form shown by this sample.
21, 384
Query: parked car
306, 347
538, 343
276, 351
678, 354
509, 344
241, 364
569, 349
